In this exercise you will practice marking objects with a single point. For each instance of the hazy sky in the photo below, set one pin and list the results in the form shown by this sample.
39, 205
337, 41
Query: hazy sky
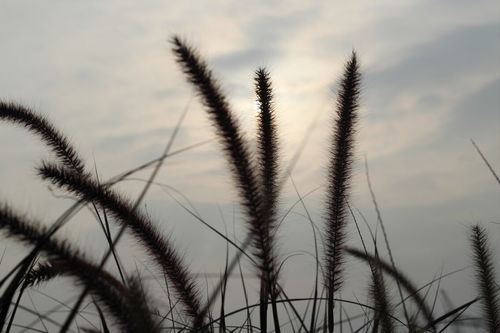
104, 73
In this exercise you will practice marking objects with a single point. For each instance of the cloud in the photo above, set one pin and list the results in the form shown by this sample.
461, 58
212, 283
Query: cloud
463, 54
245, 59
415, 100
477, 115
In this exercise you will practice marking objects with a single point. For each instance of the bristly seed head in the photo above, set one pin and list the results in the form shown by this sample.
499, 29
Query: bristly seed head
339, 176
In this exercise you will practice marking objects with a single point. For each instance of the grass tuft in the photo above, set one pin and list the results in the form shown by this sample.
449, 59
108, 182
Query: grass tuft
159, 248
239, 158
124, 303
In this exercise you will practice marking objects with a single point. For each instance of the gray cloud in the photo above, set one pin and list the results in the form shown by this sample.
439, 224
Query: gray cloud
245, 59
271, 30
465, 51
478, 114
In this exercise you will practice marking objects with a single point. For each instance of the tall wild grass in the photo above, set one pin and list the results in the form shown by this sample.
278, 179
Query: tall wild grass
122, 302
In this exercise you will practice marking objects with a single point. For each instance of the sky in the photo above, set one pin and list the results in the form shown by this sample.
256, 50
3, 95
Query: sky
103, 72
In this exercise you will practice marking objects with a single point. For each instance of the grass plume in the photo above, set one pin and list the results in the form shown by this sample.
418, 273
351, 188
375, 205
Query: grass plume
380, 298
238, 154
160, 249
267, 141
39, 125
268, 166
396, 275
485, 277
339, 176
109, 291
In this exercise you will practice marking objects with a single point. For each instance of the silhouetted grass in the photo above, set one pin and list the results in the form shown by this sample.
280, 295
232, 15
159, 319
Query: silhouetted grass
486, 283
38, 124
338, 182
240, 161
117, 298
268, 166
158, 247
125, 304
